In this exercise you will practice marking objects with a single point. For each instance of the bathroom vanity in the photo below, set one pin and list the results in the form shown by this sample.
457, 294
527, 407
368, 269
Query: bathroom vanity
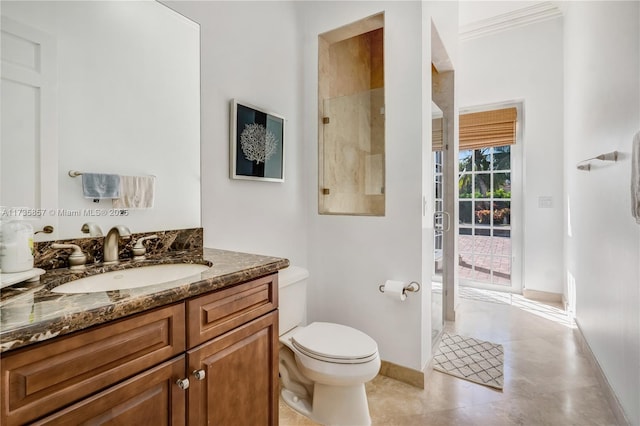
204, 351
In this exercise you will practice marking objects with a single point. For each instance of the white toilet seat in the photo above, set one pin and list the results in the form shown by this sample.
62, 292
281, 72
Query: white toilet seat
336, 361
359, 367
323, 366
335, 343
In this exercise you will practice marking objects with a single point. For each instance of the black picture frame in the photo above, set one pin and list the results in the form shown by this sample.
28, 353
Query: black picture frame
256, 143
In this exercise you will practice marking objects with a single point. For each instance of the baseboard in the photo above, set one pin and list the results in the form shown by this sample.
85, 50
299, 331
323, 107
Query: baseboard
542, 296
403, 374
609, 394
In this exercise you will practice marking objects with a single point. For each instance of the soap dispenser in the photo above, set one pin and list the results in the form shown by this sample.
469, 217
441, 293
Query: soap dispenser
16, 243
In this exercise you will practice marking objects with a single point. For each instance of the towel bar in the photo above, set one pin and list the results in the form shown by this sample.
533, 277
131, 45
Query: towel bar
609, 156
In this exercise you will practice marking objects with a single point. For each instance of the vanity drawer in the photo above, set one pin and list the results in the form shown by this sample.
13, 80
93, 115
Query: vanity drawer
218, 312
52, 375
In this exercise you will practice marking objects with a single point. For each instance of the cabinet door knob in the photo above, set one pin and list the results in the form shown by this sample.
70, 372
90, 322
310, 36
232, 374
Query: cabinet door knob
199, 374
183, 383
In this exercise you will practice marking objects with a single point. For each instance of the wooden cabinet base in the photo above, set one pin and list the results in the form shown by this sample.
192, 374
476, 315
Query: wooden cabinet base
241, 381
150, 398
40, 380
127, 372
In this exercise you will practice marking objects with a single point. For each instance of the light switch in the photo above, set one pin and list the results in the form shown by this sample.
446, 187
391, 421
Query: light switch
545, 202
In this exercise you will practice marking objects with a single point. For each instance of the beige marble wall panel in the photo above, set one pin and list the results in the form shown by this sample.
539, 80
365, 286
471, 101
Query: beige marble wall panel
354, 153
324, 69
377, 119
351, 144
348, 143
350, 66
374, 180
347, 137
376, 50
363, 26
356, 204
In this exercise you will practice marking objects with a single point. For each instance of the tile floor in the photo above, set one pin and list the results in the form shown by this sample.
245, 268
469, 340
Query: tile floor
548, 381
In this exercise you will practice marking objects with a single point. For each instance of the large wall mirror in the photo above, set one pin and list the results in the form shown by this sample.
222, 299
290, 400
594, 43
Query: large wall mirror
104, 87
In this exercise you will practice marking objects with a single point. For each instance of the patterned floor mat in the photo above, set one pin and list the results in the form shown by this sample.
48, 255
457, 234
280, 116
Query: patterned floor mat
471, 359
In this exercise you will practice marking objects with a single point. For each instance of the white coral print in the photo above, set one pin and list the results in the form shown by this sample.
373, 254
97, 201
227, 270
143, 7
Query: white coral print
257, 143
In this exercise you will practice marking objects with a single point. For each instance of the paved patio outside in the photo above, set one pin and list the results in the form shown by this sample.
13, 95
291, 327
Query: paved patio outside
489, 253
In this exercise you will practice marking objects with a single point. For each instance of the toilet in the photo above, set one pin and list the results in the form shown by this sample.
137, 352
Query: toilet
323, 366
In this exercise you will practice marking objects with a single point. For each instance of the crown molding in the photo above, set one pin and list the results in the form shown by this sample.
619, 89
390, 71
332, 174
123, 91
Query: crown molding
507, 21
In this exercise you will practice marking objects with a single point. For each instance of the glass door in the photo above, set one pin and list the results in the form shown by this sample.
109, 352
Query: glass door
440, 220
486, 210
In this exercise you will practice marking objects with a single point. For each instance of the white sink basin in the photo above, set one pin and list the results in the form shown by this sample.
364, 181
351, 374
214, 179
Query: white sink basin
131, 278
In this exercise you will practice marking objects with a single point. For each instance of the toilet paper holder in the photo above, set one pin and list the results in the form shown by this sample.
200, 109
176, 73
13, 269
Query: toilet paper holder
413, 287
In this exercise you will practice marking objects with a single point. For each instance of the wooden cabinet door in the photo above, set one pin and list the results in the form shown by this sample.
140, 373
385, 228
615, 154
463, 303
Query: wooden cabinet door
39, 380
240, 386
150, 398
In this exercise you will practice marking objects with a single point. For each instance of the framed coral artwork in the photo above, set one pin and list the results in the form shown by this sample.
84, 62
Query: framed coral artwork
256, 143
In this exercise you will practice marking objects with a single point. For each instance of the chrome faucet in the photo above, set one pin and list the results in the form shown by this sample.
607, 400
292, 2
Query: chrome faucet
111, 243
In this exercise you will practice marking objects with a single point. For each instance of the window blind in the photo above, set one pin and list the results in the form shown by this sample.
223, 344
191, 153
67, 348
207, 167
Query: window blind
436, 134
488, 128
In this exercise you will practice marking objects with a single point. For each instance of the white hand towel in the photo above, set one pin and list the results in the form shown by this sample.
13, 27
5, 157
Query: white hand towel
99, 186
635, 178
136, 192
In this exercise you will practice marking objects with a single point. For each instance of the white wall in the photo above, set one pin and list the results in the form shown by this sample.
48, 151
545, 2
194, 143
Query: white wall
265, 53
526, 64
350, 256
602, 113
250, 51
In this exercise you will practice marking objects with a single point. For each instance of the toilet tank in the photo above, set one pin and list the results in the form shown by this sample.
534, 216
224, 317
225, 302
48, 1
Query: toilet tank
292, 297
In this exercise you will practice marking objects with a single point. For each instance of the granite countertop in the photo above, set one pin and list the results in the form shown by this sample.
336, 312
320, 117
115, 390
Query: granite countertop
31, 312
